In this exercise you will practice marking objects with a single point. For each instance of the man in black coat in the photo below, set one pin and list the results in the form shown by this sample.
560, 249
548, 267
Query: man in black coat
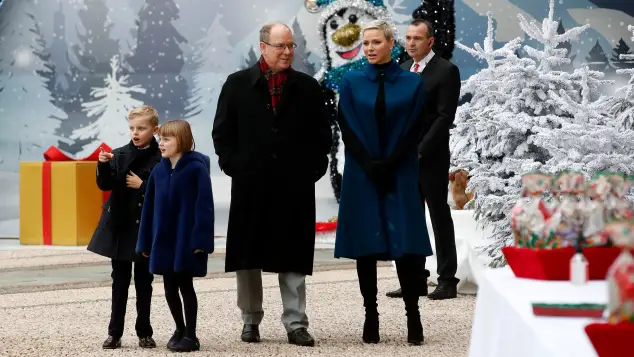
125, 172
442, 91
272, 136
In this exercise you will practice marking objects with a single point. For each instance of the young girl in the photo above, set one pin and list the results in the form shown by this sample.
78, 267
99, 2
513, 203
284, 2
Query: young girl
177, 226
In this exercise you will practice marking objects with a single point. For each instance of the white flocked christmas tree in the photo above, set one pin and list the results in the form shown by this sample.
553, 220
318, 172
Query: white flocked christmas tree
622, 104
526, 116
111, 105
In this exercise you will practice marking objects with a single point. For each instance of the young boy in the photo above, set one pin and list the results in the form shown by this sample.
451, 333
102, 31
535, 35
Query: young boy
125, 172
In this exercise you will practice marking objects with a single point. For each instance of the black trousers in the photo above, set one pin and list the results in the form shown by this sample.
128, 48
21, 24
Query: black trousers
121, 277
407, 271
184, 283
432, 186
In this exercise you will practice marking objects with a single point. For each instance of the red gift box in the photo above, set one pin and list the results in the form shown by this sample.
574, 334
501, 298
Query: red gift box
611, 340
554, 264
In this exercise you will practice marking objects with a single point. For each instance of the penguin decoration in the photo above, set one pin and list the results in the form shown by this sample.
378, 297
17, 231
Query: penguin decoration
339, 27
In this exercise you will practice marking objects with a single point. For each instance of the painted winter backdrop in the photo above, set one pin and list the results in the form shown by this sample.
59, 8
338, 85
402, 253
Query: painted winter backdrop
69, 69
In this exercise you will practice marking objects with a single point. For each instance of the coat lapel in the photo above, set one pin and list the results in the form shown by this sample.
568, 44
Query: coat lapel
432, 63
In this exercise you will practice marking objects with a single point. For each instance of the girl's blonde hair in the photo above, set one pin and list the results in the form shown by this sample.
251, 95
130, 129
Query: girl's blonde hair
182, 131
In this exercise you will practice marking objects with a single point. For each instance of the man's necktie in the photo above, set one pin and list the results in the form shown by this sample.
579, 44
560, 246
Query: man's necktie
416, 67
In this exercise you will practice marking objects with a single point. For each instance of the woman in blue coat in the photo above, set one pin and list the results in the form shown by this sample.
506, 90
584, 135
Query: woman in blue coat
381, 216
177, 226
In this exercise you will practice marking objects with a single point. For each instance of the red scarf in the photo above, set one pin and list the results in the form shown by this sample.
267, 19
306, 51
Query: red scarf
276, 83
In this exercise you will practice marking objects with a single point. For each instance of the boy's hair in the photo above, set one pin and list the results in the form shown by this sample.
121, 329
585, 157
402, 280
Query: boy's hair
145, 111
182, 131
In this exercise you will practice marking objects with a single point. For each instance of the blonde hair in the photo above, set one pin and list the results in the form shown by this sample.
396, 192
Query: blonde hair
381, 25
182, 131
145, 111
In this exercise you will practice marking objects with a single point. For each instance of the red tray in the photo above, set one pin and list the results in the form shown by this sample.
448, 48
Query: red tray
611, 340
325, 226
554, 264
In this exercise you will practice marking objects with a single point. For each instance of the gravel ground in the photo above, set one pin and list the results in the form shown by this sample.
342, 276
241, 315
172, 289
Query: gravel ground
74, 322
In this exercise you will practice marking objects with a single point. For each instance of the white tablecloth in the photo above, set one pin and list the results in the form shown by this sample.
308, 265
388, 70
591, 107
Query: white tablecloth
504, 324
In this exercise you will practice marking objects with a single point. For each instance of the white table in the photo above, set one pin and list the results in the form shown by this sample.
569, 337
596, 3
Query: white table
504, 324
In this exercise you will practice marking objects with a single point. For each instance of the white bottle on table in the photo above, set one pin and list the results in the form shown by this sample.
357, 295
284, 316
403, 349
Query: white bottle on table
579, 270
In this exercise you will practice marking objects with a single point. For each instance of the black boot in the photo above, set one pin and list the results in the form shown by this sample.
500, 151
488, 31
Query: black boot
414, 325
366, 270
405, 268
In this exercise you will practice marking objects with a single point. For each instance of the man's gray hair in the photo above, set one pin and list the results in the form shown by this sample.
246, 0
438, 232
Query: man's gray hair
381, 25
265, 31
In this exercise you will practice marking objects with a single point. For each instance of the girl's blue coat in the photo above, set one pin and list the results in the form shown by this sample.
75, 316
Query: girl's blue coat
369, 225
178, 216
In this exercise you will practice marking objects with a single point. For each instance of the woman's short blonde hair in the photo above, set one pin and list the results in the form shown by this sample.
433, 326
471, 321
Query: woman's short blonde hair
182, 131
381, 25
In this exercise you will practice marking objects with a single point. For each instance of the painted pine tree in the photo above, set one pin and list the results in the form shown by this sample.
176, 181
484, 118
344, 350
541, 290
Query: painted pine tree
251, 59
109, 108
93, 53
300, 60
213, 58
597, 59
621, 49
157, 60
25, 96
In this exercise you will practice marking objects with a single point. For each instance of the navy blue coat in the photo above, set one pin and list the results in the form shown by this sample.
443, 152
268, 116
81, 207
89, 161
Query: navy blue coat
371, 223
178, 217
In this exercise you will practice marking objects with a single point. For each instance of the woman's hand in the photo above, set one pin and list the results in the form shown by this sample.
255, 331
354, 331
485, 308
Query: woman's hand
145, 255
198, 251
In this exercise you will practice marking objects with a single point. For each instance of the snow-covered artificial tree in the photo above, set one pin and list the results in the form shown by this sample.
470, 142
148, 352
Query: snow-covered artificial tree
622, 105
111, 106
525, 115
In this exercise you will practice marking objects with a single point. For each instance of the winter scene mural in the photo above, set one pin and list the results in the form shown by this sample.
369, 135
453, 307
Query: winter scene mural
70, 70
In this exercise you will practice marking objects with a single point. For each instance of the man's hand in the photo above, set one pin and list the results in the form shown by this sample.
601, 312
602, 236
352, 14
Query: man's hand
197, 251
133, 181
105, 156
145, 255
420, 156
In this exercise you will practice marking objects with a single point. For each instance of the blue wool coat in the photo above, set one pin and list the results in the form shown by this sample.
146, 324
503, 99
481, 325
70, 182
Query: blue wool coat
384, 226
178, 216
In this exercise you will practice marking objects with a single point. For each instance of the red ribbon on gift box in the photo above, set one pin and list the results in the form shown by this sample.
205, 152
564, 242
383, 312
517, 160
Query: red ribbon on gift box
54, 154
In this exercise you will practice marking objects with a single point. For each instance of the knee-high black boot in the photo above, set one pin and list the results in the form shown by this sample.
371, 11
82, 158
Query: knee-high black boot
406, 270
366, 270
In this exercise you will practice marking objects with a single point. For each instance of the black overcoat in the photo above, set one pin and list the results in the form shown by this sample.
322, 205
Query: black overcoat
274, 161
118, 228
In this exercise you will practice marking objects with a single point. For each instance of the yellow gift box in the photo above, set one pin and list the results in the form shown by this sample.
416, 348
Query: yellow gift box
60, 203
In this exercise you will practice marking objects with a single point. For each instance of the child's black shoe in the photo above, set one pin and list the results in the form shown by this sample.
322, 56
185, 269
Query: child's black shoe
175, 339
187, 344
147, 342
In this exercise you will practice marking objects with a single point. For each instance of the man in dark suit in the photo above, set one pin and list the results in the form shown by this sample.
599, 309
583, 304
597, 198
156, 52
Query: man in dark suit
442, 91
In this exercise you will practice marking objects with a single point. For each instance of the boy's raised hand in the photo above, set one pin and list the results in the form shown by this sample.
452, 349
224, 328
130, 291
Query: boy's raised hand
105, 156
133, 181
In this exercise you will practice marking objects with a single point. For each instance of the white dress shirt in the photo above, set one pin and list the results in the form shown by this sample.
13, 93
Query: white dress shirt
422, 63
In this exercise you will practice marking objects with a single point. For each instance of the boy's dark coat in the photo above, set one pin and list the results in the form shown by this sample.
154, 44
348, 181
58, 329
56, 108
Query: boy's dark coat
178, 217
118, 229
